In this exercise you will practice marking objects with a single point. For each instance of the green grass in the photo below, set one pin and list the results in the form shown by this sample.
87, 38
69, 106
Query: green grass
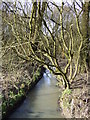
14, 97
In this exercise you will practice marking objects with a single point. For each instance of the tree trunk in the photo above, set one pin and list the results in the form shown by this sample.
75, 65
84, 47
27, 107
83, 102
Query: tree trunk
85, 32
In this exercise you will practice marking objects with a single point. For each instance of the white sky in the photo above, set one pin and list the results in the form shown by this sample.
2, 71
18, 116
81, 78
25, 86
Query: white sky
57, 1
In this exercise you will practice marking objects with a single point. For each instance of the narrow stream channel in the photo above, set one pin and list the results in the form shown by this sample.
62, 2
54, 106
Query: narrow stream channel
41, 102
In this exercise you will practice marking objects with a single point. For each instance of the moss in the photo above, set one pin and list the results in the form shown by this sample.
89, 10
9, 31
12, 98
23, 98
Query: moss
17, 96
66, 92
66, 98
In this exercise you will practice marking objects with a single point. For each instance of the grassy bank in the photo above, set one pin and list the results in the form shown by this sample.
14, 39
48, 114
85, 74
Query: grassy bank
74, 102
17, 92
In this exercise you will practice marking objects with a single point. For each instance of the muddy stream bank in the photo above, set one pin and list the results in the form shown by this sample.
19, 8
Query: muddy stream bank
41, 102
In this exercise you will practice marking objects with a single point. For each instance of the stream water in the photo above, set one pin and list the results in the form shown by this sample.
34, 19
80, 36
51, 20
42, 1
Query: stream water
41, 102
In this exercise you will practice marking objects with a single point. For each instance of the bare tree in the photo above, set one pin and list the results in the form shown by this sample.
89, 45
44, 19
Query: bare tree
85, 32
36, 40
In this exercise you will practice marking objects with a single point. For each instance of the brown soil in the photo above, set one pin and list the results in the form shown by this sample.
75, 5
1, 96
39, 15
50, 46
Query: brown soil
77, 104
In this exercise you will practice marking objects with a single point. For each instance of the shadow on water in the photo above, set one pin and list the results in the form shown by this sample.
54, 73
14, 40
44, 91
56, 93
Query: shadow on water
41, 101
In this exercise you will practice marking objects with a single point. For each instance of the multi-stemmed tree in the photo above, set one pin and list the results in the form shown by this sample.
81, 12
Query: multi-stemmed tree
39, 37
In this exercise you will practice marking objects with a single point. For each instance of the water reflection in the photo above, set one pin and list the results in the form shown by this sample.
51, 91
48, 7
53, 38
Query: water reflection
47, 76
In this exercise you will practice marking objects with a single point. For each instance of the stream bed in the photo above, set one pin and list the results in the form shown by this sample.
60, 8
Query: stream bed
42, 100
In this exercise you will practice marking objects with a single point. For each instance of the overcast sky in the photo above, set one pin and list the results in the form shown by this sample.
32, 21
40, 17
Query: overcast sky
57, 1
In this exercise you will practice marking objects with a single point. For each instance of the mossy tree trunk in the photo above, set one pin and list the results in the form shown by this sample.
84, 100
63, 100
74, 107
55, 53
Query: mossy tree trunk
85, 32
45, 48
